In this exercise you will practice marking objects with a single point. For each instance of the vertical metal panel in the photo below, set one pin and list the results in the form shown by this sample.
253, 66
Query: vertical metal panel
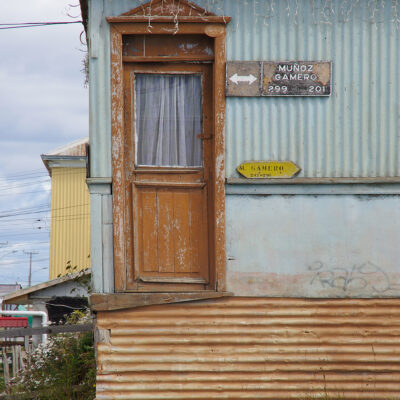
97, 243
100, 90
251, 348
351, 134
70, 221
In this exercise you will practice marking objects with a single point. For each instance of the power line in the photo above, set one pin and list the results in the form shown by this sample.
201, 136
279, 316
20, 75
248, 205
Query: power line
43, 205
37, 210
20, 262
22, 193
23, 184
35, 24
39, 173
33, 171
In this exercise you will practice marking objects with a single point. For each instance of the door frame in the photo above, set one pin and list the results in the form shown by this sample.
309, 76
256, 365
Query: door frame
144, 176
196, 25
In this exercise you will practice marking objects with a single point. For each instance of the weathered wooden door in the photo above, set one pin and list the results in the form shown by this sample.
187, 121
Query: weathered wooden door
169, 170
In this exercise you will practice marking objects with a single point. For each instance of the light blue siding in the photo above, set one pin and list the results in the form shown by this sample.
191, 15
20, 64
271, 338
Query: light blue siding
354, 133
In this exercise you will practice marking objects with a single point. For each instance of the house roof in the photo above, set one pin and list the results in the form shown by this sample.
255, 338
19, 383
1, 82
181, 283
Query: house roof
72, 152
22, 296
75, 148
8, 288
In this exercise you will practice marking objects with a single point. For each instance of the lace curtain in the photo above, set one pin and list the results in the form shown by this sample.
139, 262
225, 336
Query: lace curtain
168, 120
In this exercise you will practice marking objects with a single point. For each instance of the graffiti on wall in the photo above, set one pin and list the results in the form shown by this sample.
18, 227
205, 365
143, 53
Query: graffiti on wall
366, 276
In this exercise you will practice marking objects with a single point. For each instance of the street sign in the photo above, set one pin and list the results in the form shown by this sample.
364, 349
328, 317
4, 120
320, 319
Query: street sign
268, 169
247, 78
296, 78
284, 78
243, 78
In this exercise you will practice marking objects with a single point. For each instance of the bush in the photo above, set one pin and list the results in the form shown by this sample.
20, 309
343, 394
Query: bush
64, 368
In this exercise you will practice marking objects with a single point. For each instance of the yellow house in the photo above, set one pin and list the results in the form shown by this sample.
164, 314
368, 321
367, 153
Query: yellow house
70, 209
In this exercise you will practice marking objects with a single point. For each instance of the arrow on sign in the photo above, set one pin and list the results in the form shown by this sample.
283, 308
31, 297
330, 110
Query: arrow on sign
246, 78
268, 169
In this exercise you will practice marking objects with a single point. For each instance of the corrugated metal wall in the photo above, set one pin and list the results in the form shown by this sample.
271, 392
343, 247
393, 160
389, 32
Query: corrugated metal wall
244, 348
352, 134
70, 221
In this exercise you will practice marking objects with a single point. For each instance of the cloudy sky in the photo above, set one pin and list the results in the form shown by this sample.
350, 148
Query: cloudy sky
43, 105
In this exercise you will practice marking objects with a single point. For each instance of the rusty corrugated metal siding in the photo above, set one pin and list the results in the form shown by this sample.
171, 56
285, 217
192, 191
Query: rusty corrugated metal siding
70, 221
248, 348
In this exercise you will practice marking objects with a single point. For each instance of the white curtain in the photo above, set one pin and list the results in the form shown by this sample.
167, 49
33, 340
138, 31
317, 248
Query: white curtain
168, 120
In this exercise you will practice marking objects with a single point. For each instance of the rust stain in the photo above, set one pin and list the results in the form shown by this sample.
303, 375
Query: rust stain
254, 348
323, 71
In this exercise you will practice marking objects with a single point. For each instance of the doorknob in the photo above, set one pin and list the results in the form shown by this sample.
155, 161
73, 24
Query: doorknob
202, 136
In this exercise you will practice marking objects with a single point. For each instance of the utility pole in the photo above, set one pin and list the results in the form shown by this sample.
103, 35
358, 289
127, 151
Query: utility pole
30, 265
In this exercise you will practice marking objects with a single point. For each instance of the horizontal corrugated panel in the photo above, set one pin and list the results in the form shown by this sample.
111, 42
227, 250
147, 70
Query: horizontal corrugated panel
70, 221
248, 348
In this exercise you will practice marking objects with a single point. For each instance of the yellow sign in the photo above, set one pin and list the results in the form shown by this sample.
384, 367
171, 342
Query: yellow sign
268, 169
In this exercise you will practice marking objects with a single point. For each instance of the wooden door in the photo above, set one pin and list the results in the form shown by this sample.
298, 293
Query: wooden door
169, 175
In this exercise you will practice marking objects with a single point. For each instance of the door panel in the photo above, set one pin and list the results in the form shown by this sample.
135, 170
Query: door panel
170, 204
172, 232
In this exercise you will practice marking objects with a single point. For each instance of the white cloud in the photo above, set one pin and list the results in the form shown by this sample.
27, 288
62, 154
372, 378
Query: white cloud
43, 105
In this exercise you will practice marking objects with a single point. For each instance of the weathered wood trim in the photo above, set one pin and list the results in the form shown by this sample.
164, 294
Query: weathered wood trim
167, 184
110, 302
166, 59
219, 156
117, 131
155, 170
182, 6
167, 28
215, 30
161, 279
172, 19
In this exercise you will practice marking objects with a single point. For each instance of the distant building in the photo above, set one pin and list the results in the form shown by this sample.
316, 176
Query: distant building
8, 288
70, 209
5, 289
69, 237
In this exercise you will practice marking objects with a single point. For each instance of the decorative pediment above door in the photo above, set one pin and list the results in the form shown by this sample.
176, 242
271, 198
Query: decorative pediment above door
168, 8
169, 11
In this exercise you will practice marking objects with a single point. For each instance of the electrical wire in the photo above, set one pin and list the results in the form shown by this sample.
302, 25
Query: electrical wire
22, 261
38, 209
29, 176
19, 25
23, 193
23, 184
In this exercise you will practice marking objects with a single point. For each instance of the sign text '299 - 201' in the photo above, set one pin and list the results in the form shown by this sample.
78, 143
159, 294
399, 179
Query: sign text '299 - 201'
286, 78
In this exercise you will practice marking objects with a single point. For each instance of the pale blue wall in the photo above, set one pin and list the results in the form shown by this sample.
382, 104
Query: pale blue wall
273, 240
